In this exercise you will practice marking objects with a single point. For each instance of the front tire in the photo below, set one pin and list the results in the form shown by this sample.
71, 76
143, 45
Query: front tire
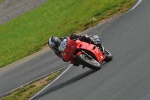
90, 63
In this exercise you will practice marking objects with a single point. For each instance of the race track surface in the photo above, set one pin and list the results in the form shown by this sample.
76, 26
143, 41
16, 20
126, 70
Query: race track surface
29, 69
127, 77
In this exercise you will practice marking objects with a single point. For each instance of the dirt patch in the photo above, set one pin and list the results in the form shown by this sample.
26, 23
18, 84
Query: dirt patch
12, 8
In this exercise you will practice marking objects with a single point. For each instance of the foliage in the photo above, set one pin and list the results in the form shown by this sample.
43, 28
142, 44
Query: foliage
27, 33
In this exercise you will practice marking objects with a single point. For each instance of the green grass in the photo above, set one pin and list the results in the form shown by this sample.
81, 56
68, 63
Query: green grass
25, 92
1, 1
27, 33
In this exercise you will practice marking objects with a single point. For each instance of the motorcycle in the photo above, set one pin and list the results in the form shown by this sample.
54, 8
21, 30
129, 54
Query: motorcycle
86, 54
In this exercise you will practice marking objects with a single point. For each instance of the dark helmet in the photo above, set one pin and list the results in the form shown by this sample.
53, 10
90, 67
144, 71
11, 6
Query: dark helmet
54, 43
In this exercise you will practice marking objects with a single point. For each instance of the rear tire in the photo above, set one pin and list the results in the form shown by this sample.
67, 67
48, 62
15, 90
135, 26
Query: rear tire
108, 55
90, 63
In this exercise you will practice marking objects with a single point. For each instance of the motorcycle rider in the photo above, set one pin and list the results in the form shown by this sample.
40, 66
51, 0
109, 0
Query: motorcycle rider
54, 42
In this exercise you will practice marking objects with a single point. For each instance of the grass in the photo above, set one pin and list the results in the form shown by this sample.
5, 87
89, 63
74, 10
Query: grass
25, 92
29, 32
1, 1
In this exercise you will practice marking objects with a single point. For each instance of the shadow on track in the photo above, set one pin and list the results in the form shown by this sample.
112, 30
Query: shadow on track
57, 87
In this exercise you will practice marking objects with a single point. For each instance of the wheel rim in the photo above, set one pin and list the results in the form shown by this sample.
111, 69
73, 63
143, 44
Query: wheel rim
93, 61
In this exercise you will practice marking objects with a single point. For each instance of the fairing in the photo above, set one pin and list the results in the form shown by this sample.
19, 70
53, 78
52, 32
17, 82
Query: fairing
74, 48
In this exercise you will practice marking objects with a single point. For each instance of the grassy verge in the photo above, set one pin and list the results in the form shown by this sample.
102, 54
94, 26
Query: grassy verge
25, 92
27, 33
1, 1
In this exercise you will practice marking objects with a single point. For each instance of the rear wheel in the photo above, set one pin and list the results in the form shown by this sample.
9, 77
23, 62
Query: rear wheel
108, 55
88, 62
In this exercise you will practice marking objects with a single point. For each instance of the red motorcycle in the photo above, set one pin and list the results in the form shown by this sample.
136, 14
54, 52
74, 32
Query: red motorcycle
84, 53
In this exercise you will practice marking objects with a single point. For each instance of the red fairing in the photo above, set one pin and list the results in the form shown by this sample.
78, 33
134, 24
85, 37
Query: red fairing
70, 49
70, 52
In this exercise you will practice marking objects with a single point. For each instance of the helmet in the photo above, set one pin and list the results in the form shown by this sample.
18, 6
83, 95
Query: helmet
54, 43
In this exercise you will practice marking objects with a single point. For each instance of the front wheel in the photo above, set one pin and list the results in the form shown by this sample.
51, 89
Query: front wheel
88, 62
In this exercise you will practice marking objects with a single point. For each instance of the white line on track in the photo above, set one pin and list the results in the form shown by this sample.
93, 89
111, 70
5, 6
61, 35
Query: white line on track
51, 82
135, 5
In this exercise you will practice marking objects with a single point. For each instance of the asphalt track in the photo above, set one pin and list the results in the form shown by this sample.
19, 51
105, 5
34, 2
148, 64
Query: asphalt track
124, 78
29, 69
127, 77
